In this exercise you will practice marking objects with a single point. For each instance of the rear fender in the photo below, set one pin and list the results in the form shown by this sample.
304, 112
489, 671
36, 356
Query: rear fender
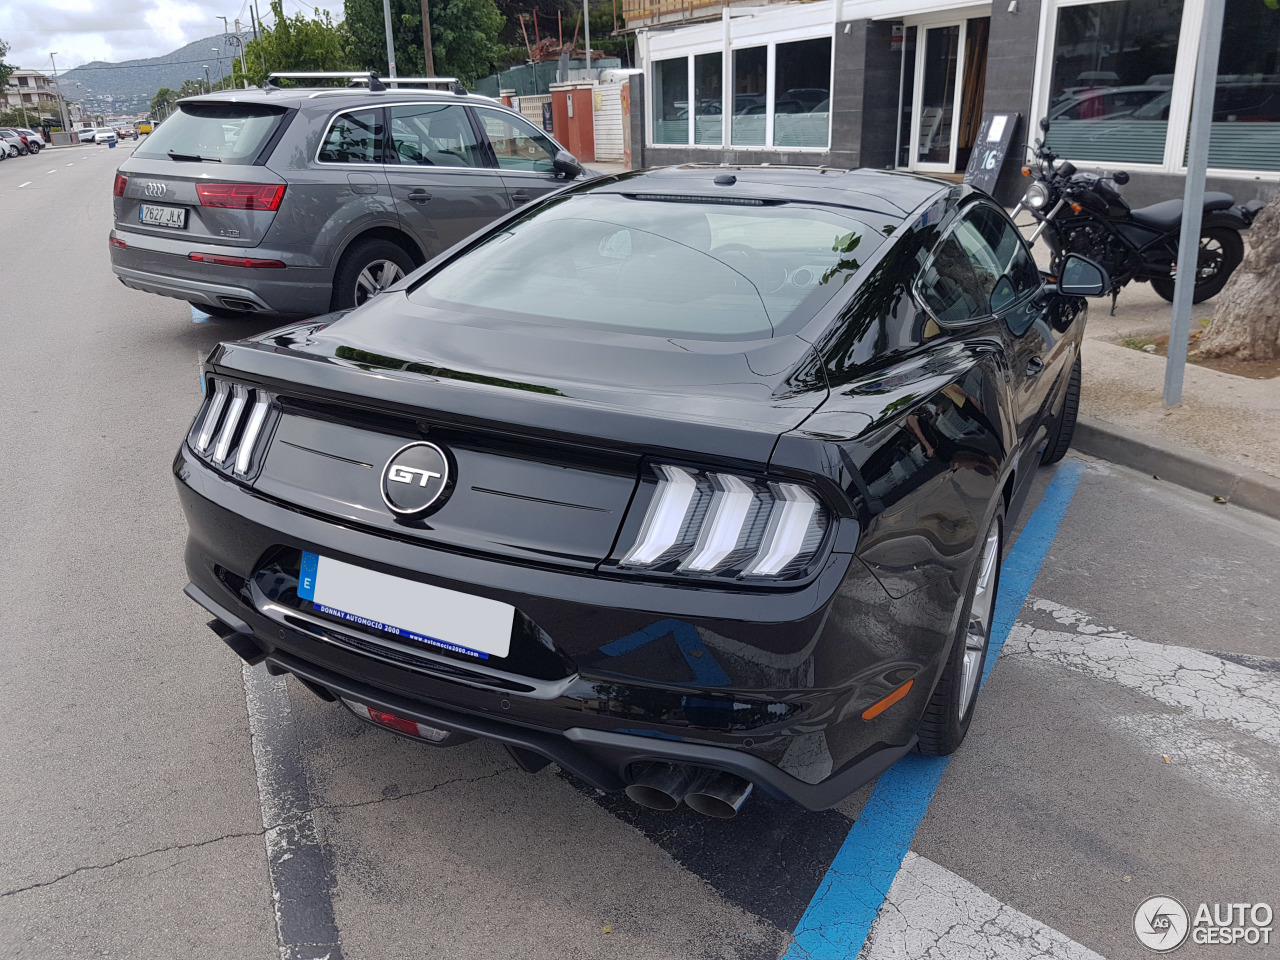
1232, 219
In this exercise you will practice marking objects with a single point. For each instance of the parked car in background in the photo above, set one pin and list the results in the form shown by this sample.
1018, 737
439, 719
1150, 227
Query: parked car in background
33, 138
105, 135
298, 201
127, 132
86, 134
14, 144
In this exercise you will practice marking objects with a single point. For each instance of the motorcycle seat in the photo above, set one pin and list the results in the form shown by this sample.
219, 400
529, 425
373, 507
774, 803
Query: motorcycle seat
1168, 214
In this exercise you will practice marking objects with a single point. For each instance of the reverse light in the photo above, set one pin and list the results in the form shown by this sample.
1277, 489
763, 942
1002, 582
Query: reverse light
121, 183
724, 525
241, 196
224, 261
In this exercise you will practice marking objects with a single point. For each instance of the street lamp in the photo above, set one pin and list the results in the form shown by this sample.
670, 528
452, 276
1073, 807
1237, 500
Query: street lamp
217, 52
207, 87
62, 104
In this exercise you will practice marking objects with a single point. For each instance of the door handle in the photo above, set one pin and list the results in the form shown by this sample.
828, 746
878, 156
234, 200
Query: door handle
1034, 366
520, 196
419, 196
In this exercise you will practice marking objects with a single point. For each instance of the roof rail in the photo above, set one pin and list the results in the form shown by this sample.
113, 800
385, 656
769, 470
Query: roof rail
453, 83
356, 77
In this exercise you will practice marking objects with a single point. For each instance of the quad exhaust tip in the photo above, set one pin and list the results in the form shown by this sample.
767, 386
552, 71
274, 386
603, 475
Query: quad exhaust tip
712, 793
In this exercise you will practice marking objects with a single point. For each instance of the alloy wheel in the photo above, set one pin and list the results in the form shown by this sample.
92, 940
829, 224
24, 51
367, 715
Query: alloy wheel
979, 630
1210, 260
375, 278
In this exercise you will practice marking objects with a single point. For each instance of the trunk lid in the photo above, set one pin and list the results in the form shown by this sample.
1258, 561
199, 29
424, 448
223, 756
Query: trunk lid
546, 426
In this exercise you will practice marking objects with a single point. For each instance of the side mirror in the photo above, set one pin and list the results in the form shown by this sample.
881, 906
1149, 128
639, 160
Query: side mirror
1081, 277
567, 165
1044, 124
1120, 177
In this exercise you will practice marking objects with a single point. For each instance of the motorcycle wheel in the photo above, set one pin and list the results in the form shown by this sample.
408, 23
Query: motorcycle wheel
1221, 250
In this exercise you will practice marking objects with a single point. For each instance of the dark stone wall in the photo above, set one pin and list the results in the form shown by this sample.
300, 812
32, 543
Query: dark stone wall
636, 82
864, 129
1011, 74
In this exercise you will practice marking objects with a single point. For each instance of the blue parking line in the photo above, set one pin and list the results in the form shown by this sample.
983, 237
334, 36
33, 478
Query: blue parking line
839, 917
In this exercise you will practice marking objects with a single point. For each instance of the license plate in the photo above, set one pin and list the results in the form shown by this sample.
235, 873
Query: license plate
414, 611
163, 216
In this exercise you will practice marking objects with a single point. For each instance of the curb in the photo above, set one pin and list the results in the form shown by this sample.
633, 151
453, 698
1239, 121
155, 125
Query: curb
1242, 486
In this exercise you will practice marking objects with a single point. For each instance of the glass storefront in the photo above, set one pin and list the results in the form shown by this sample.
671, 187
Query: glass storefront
1246, 107
671, 101
750, 68
1113, 72
708, 98
802, 93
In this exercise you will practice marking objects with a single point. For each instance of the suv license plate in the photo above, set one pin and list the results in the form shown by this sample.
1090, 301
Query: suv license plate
163, 216
405, 608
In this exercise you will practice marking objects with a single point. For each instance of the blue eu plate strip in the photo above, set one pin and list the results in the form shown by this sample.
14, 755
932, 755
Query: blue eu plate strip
839, 917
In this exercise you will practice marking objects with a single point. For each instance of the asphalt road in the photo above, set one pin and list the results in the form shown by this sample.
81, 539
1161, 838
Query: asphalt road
1127, 744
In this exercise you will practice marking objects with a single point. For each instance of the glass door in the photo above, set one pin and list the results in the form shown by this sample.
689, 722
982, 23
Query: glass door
935, 119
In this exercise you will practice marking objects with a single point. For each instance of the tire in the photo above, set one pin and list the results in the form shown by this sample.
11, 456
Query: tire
368, 267
1060, 439
946, 719
1220, 247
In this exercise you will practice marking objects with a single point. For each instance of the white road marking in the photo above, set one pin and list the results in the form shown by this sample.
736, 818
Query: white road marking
27, 184
51, 171
1202, 685
931, 913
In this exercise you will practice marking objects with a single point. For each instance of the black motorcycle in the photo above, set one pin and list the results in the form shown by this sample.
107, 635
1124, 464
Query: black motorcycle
1083, 213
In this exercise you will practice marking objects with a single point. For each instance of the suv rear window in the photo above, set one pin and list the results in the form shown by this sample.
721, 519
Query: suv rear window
663, 267
226, 132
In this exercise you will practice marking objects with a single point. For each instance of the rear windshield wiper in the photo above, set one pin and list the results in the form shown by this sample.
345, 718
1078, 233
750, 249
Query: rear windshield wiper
194, 157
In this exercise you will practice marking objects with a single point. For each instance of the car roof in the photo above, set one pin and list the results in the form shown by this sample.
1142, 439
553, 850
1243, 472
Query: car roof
885, 192
340, 96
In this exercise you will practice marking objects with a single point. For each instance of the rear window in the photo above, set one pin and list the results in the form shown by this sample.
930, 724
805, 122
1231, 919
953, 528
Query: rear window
226, 132
666, 267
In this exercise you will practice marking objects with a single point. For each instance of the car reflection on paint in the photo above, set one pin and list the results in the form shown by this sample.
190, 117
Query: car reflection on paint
690, 481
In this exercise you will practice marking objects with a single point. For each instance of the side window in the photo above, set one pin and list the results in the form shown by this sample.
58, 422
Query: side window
981, 267
518, 144
354, 137
434, 135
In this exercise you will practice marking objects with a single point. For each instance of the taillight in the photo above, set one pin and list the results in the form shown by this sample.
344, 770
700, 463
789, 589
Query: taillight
225, 261
410, 728
724, 525
121, 182
117, 242
231, 422
241, 196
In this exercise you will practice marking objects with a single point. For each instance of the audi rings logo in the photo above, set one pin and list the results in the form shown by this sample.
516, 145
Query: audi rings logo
414, 479
1161, 924
154, 189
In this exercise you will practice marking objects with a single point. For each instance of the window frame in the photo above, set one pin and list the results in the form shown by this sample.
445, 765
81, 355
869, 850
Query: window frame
391, 157
1174, 160
727, 47
381, 160
962, 214
514, 119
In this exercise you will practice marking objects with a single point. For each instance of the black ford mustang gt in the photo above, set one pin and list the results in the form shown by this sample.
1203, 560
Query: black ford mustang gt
686, 480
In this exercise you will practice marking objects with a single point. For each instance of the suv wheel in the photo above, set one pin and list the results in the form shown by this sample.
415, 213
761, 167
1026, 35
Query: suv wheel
368, 268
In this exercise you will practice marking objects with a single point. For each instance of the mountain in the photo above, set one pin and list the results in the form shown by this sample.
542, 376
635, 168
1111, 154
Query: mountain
125, 88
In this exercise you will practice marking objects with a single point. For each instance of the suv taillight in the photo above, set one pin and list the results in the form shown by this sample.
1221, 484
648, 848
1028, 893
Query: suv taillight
241, 196
121, 182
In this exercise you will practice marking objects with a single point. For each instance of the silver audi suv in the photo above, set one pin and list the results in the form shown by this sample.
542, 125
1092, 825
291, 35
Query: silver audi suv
302, 200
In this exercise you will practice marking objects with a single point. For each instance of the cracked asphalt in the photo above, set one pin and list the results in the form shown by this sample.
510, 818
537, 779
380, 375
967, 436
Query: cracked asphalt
1127, 744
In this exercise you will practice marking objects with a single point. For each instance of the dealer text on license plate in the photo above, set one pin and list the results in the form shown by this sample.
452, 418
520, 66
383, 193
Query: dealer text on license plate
155, 216
415, 612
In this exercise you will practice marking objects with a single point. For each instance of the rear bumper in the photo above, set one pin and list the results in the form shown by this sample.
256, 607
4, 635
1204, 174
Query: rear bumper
784, 712
162, 267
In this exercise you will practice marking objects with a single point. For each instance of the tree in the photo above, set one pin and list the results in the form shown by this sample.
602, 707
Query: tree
5, 68
164, 98
464, 36
1246, 324
294, 43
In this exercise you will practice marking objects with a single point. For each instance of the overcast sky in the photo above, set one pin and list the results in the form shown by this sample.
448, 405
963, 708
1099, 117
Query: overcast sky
80, 31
